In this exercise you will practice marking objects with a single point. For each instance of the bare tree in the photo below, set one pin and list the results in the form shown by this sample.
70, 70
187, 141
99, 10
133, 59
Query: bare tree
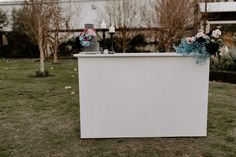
172, 17
35, 19
124, 15
60, 21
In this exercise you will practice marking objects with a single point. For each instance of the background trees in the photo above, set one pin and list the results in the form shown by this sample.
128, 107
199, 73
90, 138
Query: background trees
17, 46
167, 20
3, 19
60, 21
3, 38
171, 17
36, 16
41, 21
124, 15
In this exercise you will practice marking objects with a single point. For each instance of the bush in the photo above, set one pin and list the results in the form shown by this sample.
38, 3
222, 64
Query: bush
67, 48
224, 76
19, 45
225, 62
134, 43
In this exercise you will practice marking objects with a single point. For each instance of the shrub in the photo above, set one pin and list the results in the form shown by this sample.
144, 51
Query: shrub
225, 62
224, 76
68, 47
19, 45
136, 41
133, 44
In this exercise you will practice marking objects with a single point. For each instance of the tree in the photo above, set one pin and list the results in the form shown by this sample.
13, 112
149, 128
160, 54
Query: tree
124, 15
3, 19
172, 17
35, 20
59, 21
23, 47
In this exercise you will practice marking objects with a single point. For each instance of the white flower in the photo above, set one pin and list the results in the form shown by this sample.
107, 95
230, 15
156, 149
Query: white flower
190, 40
216, 33
72, 93
201, 34
224, 50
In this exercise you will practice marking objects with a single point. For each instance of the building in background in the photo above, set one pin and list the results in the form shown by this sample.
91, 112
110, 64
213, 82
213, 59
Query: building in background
220, 14
216, 13
81, 11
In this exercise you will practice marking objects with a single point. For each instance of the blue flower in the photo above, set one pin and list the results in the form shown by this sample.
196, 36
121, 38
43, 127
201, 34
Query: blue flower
202, 46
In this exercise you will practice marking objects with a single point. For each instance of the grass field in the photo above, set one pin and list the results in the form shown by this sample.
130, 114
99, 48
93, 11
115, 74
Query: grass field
40, 117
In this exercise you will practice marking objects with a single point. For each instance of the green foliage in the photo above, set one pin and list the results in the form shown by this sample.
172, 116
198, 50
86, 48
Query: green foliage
20, 45
225, 62
17, 16
3, 19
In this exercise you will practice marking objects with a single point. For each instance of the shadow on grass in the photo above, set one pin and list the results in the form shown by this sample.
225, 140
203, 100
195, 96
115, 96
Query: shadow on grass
34, 76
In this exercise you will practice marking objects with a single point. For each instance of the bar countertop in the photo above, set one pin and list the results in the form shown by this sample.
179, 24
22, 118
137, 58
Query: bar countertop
121, 55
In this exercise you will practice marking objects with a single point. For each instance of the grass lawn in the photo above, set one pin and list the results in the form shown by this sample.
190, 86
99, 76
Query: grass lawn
40, 117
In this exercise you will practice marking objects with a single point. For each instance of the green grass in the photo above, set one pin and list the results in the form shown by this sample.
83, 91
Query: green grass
39, 117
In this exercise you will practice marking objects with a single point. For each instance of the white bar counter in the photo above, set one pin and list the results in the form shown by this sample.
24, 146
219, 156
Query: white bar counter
142, 95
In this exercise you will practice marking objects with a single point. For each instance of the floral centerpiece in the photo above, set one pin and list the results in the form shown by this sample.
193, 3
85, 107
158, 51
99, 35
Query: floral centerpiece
86, 36
201, 46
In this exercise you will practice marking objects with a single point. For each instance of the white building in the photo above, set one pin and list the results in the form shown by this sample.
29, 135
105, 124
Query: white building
81, 11
221, 14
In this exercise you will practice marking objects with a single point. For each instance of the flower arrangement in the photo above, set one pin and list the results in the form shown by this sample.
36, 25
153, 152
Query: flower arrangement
86, 36
202, 46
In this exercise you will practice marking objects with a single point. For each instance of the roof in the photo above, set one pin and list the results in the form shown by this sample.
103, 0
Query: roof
8, 2
218, 7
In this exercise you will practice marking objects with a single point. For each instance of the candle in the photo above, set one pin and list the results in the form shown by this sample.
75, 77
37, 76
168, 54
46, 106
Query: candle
112, 29
103, 25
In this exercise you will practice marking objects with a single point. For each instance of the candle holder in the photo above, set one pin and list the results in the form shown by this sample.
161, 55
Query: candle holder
103, 42
104, 30
112, 42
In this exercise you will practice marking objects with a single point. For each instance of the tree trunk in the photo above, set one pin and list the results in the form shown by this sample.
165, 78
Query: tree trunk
55, 58
56, 43
168, 49
124, 44
41, 64
123, 47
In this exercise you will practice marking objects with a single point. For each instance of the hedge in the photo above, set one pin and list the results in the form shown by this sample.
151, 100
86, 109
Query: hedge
224, 76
